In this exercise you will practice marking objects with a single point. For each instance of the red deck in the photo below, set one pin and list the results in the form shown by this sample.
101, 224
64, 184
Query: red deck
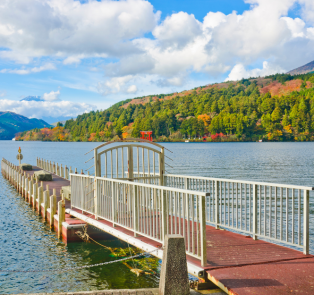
241, 265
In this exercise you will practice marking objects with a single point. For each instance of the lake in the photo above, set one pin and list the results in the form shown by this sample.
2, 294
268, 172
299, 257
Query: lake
27, 243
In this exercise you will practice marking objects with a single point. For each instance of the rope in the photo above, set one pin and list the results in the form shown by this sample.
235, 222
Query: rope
78, 267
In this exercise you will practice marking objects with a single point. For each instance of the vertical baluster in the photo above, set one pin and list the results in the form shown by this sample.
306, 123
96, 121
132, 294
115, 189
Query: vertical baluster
287, 213
306, 222
276, 212
193, 223
117, 163
250, 206
265, 210
270, 209
237, 202
292, 208
175, 210
106, 164
259, 209
281, 213
154, 168
197, 252
111, 162
299, 217
188, 208
143, 163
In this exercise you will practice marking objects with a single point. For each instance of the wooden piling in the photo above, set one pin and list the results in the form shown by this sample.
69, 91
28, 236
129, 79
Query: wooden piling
53, 208
61, 217
46, 200
40, 198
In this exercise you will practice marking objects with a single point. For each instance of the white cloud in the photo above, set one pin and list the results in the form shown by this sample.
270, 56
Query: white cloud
177, 30
116, 85
25, 71
69, 28
71, 31
238, 72
51, 96
132, 89
40, 109
3, 93
73, 60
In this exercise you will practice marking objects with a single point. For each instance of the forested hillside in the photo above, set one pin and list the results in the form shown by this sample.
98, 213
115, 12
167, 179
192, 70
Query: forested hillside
278, 107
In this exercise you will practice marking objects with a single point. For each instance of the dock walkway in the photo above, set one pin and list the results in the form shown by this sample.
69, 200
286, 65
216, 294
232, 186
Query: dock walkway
235, 262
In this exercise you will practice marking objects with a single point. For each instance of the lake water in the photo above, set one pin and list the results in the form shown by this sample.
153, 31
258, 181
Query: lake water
27, 243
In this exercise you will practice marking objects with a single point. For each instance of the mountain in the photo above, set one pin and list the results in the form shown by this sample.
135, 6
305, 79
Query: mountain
273, 108
32, 98
303, 70
12, 123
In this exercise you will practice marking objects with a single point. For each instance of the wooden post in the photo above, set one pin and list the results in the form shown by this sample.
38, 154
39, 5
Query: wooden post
30, 191
53, 208
61, 217
66, 172
62, 171
35, 193
40, 198
46, 200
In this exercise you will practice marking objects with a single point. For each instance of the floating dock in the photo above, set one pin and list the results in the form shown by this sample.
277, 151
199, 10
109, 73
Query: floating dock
140, 211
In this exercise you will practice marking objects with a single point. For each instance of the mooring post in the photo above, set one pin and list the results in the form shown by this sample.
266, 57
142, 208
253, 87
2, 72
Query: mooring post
66, 174
46, 200
53, 208
30, 194
40, 198
62, 171
174, 274
61, 217
35, 192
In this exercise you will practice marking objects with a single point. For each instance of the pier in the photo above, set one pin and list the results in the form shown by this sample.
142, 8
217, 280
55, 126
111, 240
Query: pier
240, 235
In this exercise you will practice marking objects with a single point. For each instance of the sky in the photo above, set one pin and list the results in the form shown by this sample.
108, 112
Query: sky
87, 55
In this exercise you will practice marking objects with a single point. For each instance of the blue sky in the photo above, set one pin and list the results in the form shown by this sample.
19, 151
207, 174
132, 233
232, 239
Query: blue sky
86, 55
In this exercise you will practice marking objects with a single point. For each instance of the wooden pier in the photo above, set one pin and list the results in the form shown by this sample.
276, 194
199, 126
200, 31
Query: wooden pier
145, 205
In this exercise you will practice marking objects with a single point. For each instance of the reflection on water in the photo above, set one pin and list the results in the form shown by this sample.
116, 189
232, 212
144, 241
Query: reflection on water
26, 243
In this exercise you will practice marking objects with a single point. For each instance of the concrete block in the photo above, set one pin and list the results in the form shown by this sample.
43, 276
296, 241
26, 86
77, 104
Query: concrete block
174, 274
26, 167
43, 175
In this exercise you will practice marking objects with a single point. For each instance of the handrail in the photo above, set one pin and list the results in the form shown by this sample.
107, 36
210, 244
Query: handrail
245, 182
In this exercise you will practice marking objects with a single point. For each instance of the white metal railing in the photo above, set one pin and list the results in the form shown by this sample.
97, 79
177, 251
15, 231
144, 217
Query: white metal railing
149, 210
82, 187
278, 212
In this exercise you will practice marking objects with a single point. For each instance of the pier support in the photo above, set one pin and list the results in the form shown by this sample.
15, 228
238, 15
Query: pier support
174, 274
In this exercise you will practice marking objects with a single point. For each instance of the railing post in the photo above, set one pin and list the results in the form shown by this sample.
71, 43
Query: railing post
113, 204
164, 215
186, 184
135, 210
306, 222
255, 212
217, 204
203, 229
96, 190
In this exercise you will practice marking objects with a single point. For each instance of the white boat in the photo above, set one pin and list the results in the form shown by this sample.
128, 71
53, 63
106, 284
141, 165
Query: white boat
187, 141
13, 139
